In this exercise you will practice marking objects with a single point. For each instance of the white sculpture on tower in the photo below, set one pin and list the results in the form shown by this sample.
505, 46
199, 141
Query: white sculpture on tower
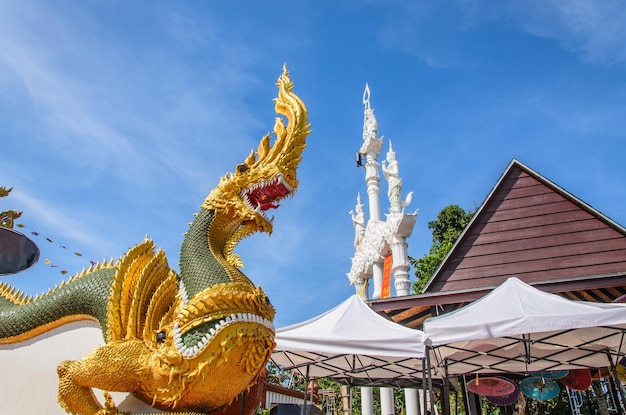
391, 171
358, 220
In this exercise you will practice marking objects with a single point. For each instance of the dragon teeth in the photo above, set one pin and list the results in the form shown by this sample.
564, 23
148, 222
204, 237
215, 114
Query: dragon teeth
183, 293
280, 179
192, 351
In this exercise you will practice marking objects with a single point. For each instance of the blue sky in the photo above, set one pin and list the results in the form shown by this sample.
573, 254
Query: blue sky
118, 118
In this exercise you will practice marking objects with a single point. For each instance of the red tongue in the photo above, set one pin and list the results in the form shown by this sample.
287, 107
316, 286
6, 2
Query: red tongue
265, 201
265, 197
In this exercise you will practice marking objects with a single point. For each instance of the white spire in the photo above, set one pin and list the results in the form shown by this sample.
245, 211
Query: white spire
371, 142
376, 239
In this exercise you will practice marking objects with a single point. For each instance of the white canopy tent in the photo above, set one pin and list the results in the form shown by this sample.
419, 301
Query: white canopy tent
353, 345
518, 328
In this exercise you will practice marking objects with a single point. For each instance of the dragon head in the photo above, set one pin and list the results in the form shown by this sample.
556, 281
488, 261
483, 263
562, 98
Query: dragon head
269, 175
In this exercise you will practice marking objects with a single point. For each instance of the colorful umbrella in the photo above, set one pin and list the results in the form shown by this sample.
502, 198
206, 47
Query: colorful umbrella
539, 388
550, 374
505, 400
577, 379
491, 386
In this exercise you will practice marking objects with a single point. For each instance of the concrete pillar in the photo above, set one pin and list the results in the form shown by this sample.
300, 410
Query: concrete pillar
411, 402
377, 279
372, 179
367, 400
400, 265
386, 401
423, 399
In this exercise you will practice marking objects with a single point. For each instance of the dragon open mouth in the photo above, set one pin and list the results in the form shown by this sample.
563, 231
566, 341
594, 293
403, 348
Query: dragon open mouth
193, 333
267, 194
194, 341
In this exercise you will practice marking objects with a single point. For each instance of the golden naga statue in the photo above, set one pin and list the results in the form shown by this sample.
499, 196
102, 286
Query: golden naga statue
190, 342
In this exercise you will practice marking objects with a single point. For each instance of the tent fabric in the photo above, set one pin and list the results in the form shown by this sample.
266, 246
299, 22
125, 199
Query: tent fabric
352, 344
518, 328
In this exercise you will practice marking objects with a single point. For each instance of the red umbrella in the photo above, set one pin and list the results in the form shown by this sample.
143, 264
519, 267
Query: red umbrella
505, 399
491, 386
577, 379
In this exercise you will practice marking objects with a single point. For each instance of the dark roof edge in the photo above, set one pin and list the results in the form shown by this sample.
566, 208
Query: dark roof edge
461, 296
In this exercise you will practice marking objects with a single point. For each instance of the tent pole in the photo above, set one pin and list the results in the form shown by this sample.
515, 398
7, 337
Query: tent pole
350, 398
466, 401
526, 340
431, 394
445, 397
306, 382
616, 380
614, 395
424, 380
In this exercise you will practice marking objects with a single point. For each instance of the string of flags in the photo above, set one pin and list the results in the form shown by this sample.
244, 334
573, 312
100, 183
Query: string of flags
49, 262
8, 217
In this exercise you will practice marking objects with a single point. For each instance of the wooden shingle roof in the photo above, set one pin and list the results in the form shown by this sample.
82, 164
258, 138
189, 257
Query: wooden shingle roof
532, 229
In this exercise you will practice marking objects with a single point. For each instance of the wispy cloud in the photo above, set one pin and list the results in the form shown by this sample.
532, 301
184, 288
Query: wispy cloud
594, 30
57, 221
99, 118
436, 33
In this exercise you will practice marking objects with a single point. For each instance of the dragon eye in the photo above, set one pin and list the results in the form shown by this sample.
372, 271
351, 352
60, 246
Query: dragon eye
241, 168
160, 338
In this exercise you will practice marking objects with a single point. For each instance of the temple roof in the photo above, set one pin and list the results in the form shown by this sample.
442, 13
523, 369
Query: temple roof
529, 228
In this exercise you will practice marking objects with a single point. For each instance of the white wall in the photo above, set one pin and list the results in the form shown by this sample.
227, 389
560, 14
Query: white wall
28, 376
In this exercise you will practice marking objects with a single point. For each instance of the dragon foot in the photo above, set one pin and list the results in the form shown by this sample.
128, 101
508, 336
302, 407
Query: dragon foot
111, 367
76, 399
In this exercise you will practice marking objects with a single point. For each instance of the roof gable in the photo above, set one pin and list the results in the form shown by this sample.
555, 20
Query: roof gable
530, 228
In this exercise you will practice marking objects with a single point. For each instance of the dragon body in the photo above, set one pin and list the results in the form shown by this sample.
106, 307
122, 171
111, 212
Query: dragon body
190, 341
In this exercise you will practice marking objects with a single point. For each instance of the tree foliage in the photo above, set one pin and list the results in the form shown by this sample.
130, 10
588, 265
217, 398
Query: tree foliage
446, 229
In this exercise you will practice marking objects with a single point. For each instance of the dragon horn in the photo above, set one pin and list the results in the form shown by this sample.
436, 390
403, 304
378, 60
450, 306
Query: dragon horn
286, 152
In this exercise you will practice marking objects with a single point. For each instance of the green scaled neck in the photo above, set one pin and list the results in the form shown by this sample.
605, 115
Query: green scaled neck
199, 267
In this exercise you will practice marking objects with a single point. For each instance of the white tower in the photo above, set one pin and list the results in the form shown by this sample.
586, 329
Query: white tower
377, 239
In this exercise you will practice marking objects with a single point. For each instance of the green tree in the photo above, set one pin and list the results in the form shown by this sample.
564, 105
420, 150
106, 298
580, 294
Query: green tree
445, 229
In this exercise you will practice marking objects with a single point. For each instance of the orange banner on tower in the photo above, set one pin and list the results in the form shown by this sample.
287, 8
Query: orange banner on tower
385, 291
